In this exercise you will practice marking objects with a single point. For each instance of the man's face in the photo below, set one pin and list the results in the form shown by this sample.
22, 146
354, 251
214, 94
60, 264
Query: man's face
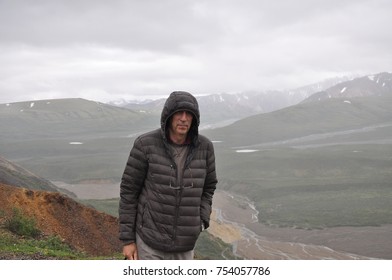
180, 123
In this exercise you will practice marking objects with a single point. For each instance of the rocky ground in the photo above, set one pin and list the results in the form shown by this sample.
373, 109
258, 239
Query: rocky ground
21, 256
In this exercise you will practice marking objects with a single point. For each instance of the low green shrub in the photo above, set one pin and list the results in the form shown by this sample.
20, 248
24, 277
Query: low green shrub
22, 225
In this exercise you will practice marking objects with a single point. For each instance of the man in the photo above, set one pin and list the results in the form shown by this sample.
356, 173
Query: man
167, 186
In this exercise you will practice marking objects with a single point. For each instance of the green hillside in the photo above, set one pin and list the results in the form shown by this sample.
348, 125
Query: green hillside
67, 118
70, 139
306, 119
313, 165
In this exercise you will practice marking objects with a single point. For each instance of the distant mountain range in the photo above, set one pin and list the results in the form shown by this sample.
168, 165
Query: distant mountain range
222, 109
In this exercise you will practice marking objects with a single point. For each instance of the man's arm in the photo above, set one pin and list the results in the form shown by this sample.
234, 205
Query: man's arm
209, 187
131, 184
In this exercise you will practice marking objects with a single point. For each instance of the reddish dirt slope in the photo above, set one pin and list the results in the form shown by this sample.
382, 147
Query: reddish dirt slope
83, 228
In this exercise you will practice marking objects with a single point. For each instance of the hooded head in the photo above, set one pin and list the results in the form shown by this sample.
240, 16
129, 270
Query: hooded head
181, 101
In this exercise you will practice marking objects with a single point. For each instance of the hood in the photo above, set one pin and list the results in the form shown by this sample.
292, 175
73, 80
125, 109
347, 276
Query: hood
179, 101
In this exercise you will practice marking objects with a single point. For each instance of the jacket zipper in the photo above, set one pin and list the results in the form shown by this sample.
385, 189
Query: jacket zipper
179, 192
178, 199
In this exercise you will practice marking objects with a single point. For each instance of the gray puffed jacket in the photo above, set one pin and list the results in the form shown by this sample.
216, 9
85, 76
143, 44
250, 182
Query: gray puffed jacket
168, 215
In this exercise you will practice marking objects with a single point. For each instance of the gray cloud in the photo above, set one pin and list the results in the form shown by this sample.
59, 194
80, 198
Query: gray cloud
154, 25
132, 49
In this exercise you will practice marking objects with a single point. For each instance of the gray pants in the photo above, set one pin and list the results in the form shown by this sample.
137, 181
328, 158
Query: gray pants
145, 252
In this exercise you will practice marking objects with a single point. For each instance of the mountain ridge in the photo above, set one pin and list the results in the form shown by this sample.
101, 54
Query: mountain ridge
371, 85
13, 174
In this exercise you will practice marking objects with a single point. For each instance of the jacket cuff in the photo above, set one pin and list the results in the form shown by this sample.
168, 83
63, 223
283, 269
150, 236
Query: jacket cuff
127, 242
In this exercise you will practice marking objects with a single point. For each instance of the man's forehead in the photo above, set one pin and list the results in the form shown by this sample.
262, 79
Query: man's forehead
182, 111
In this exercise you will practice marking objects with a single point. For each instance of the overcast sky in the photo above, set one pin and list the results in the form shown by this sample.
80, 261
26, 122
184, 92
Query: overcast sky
106, 50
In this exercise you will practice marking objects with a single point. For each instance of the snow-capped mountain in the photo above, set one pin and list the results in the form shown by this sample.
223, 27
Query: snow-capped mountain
372, 85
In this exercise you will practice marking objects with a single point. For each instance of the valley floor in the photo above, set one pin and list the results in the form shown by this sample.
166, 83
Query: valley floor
92, 189
235, 222
258, 241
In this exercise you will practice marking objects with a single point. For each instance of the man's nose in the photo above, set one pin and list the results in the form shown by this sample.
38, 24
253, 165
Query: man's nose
184, 115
